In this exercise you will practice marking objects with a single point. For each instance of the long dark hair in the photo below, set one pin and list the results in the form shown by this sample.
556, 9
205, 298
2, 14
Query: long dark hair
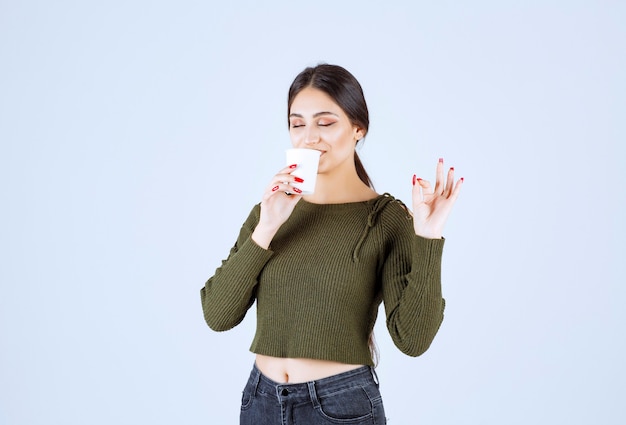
345, 90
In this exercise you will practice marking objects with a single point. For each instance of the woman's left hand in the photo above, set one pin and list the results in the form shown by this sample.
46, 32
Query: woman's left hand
431, 207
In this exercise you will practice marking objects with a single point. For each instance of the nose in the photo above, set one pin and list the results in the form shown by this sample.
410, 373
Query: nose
312, 135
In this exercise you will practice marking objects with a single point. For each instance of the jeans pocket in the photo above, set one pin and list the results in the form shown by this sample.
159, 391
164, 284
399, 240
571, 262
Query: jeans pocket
349, 406
247, 396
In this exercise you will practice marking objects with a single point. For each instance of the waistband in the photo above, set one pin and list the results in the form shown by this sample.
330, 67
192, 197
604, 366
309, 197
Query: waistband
362, 376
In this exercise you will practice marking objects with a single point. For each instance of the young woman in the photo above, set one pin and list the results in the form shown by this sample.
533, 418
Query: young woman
318, 267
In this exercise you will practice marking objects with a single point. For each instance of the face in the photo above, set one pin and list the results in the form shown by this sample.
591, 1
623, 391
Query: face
317, 122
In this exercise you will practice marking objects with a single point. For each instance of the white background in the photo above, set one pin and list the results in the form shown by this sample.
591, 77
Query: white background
136, 135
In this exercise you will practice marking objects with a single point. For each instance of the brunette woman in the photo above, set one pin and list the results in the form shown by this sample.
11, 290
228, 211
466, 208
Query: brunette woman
318, 267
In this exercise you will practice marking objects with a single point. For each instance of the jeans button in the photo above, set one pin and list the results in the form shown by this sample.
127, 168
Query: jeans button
284, 391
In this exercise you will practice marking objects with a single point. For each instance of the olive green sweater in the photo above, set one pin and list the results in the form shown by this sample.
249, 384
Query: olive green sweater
319, 286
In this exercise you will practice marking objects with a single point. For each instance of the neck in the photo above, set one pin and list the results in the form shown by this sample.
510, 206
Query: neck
340, 188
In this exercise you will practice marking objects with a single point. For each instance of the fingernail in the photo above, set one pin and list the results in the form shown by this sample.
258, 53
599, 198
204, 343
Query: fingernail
462, 178
299, 180
451, 168
440, 159
414, 179
293, 165
295, 189
275, 188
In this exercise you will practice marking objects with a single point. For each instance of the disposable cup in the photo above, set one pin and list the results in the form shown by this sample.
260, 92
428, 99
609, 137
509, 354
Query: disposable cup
307, 161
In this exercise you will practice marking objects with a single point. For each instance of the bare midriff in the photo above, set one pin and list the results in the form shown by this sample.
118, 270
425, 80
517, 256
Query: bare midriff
299, 370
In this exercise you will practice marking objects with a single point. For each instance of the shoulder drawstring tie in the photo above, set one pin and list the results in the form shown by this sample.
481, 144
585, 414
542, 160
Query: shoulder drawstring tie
378, 206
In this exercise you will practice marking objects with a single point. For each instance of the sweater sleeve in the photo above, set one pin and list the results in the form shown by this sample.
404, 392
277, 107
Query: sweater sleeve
230, 292
411, 280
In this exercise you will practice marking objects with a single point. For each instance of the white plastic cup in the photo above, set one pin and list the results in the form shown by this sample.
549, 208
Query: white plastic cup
307, 161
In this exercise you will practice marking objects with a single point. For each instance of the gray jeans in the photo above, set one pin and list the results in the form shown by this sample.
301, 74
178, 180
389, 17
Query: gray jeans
347, 398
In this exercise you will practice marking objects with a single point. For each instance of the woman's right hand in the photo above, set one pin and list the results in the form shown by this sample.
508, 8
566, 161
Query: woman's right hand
277, 204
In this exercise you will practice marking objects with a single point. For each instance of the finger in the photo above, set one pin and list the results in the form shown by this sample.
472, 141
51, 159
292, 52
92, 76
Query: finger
449, 183
425, 186
457, 189
417, 194
286, 179
288, 169
279, 188
439, 183
284, 173
422, 192
285, 188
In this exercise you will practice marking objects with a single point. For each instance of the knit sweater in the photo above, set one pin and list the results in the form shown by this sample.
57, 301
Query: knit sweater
319, 286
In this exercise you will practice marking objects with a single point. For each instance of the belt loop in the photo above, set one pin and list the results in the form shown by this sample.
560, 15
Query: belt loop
374, 375
313, 395
256, 379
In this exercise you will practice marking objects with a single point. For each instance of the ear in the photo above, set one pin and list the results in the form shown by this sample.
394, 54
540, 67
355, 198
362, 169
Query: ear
359, 133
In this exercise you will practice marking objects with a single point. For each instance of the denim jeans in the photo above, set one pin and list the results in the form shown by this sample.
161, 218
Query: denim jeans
347, 398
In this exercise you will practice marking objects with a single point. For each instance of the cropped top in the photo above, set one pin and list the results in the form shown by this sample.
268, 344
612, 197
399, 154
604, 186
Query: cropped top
320, 284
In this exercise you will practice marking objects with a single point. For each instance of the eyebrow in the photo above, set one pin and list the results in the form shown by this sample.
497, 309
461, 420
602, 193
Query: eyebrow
315, 115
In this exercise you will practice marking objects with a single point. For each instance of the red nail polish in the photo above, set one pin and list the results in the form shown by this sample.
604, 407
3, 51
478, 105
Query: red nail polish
275, 188
299, 180
295, 189
414, 179
462, 178
451, 168
293, 165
